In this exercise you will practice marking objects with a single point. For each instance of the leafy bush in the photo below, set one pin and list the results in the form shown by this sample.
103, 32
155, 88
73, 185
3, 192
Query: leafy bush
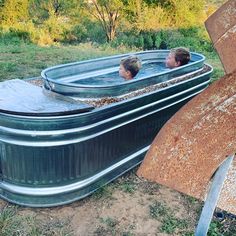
76, 35
94, 32
148, 41
15, 36
194, 38
129, 39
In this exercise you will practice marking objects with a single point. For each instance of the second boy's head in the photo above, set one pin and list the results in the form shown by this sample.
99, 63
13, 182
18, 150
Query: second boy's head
177, 57
129, 67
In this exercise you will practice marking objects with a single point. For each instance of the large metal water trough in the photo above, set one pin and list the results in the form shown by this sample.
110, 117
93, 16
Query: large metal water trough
82, 79
55, 149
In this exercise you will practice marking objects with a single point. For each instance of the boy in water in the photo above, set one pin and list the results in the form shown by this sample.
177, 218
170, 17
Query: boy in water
177, 57
129, 67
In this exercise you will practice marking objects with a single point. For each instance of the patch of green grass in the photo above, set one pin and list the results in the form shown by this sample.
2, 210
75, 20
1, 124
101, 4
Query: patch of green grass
169, 222
110, 227
24, 60
9, 223
169, 225
217, 74
157, 210
128, 187
218, 70
104, 192
214, 229
128, 231
127, 234
193, 203
7, 67
101, 231
191, 200
226, 227
109, 222
55, 227
12, 223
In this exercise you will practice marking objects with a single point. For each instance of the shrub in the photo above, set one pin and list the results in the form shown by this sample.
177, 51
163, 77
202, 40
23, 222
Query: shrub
94, 31
44, 38
148, 41
77, 34
194, 38
157, 40
14, 36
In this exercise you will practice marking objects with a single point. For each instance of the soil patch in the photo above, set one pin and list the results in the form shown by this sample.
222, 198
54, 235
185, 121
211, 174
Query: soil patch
128, 206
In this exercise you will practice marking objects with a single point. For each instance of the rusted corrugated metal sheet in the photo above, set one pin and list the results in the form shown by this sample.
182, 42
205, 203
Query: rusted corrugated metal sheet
195, 141
221, 27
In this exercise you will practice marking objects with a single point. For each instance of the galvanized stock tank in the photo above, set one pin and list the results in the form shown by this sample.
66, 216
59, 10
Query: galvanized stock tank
57, 147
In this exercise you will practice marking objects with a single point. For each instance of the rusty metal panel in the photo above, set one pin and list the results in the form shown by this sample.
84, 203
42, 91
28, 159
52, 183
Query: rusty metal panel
221, 26
221, 20
226, 48
192, 145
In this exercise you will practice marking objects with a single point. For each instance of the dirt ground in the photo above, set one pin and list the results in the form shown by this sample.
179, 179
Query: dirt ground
128, 206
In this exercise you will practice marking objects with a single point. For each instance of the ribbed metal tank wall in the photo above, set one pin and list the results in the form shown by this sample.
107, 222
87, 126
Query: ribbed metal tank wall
53, 160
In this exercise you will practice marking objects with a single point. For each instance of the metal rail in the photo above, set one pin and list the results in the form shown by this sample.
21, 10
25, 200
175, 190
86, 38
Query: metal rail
212, 197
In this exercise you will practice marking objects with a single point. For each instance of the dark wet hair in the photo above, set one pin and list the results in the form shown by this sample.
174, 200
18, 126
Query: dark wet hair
182, 55
132, 64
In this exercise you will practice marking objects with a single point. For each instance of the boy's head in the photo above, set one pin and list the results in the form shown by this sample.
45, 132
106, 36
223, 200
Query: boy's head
129, 67
177, 57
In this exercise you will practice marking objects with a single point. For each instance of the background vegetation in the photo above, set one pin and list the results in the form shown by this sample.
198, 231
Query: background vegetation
35, 34
141, 23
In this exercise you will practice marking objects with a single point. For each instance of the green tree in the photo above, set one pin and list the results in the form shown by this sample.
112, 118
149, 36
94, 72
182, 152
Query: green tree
108, 13
55, 19
156, 15
186, 13
41, 9
145, 15
13, 12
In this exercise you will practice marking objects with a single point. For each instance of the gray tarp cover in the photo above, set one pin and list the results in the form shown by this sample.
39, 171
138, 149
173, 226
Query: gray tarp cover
22, 98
